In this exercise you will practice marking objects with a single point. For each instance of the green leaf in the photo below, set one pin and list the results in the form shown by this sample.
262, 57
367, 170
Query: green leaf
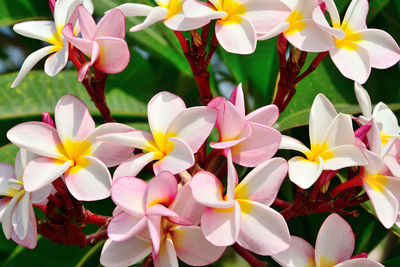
8, 153
368, 207
158, 40
15, 11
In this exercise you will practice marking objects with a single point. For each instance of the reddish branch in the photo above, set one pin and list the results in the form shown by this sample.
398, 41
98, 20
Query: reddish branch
95, 84
248, 256
289, 71
196, 54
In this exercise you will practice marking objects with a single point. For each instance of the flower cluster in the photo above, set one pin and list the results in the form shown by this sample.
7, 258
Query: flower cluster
196, 202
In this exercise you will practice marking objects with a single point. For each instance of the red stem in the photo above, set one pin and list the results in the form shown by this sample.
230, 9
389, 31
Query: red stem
281, 203
314, 64
96, 219
96, 237
248, 256
353, 182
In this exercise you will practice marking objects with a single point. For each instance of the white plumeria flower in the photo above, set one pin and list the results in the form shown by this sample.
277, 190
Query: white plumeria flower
176, 134
357, 48
16, 211
382, 115
51, 32
71, 149
334, 247
168, 11
332, 145
300, 29
239, 23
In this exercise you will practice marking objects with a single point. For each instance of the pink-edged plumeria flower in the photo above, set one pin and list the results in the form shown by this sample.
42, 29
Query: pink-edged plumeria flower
251, 139
382, 115
334, 247
71, 149
168, 11
243, 215
300, 29
16, 212
332, 142
380, 183
357, 48
103, 43
239, 23
156, 217
176, 134
50, 32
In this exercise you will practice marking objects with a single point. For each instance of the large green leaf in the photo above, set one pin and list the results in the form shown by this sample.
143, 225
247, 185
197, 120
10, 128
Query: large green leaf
13, 11
158, 40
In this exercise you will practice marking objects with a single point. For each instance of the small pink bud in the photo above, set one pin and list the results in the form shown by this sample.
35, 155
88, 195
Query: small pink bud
46, 118
52, 3
360, 256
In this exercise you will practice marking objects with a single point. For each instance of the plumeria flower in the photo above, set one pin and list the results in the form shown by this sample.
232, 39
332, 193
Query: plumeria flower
332, 145
168, 11
251, 139
382, 115
300, 29
357, 48
176, 134
50, 32
334, 247
147, 221
71, 149
16, 212
243, 215
239, 23
103, 43
378, 179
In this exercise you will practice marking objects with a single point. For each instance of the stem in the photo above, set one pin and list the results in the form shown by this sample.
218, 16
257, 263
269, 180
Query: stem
353, 182
92, 239
281, 203
96, 219
248, 256
314, 64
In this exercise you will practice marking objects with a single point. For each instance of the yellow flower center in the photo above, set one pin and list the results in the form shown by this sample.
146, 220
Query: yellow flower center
232, 8
376, 181
350, 39
296, 23
319, 150
324, 262
161, 146
74, 150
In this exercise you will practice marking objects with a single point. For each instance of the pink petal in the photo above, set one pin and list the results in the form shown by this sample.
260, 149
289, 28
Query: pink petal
125, 226
179, 159
335, 240
162, 110
6, 172
359, 262
322, 114
86, 22
237, 99
166, 255
41, 171
154, 227
127, 193
40, 196
6, 218
299, 254
265, 15
20, 216
192, 247
274, 31
353, 64
303, 172
221, 226
186, 206
363, 99
193, 126
319, 18
243, 135
356, 15
237, 35
89, 179
382, 49
131, 251
131, 167
232, 178
31, 61
84, 45
30, 239
134, 138
207, 190
38, 138
110, 154
311, 38
230, 121
83, 71
114, 55
161, 189
157, 14
261, 145
263, 182
111, 25
160, 210
73, 120
266, 115
259, 220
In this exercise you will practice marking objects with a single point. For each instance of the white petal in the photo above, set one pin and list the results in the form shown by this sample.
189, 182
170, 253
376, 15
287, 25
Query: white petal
303, 172
41, 29
363, 99
31, 61
167, 255
322, 114
132, 166
344, 156
133, 9
356, 15
20, 217
157, 14
299, 254
288, 142
56, 62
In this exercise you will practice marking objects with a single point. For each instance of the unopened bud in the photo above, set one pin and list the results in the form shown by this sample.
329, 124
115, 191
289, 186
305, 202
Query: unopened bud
46, 118
196, 38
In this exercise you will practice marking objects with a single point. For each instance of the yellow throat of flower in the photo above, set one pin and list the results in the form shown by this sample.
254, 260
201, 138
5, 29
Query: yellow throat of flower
232, 8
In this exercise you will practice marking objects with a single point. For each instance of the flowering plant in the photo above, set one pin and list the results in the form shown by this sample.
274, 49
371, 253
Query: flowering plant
211, 133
